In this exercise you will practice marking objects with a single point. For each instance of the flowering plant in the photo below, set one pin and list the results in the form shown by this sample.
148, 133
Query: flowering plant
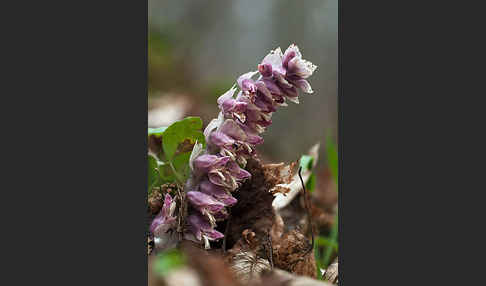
218, 159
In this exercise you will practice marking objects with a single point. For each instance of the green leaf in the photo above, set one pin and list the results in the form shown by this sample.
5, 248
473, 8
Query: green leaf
181, 164
306, 162
324, 241
153, 173
168, 261
333, 239
311, 183
187, 128
157, 132
166, 174
332, 158
181, 169
320, 244
318, 259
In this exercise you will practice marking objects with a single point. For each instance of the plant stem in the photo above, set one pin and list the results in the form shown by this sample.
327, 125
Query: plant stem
176, 174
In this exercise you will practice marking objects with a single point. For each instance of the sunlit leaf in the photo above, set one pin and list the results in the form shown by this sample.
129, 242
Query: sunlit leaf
311, 183
181, 164
157, 132
306, 162
188, 128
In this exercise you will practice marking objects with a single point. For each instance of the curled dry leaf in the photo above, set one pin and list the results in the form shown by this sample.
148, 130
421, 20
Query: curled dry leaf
248, 267
247, 258
331, 273
290, 253
280, 175
280, 189
250, 239
281, 200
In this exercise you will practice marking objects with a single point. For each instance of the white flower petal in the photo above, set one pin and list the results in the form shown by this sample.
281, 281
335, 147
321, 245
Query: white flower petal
226, 95
215, 123
196, 151
293, 99
274, 58
294, 48
247, 75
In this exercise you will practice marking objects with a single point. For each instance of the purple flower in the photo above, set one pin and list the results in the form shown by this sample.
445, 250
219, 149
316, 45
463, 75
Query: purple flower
291, 52
265, 70
281, 80
288, 72
255, 116
164, 222
217, 192
229, 177
252, 130
241, 132
264, 103
303, 84
296, 66
201, 229
220, 170
206, 204
246, 84
298, 69
227, 146
232, 107
222, 141
214, 124
206, 163
221, 215
233, 130
238, 173
232, 137
236, 139
274, 59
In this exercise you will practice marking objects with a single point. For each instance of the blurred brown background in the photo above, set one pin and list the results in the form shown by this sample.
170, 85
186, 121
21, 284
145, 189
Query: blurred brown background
197, 49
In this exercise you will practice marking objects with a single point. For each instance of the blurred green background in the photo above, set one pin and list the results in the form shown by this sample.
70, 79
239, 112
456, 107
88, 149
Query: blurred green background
197, 49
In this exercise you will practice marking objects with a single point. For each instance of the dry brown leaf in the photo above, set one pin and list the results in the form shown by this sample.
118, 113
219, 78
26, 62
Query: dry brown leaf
281, 200
331, 273
248, 267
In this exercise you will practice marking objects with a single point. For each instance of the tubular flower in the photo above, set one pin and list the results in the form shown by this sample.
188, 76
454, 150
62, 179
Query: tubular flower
164, 222
231, 138
220, 170
207, 205
217, 192
201, 230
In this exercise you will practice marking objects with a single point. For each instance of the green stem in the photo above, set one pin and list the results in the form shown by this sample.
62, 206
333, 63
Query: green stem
176, 174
